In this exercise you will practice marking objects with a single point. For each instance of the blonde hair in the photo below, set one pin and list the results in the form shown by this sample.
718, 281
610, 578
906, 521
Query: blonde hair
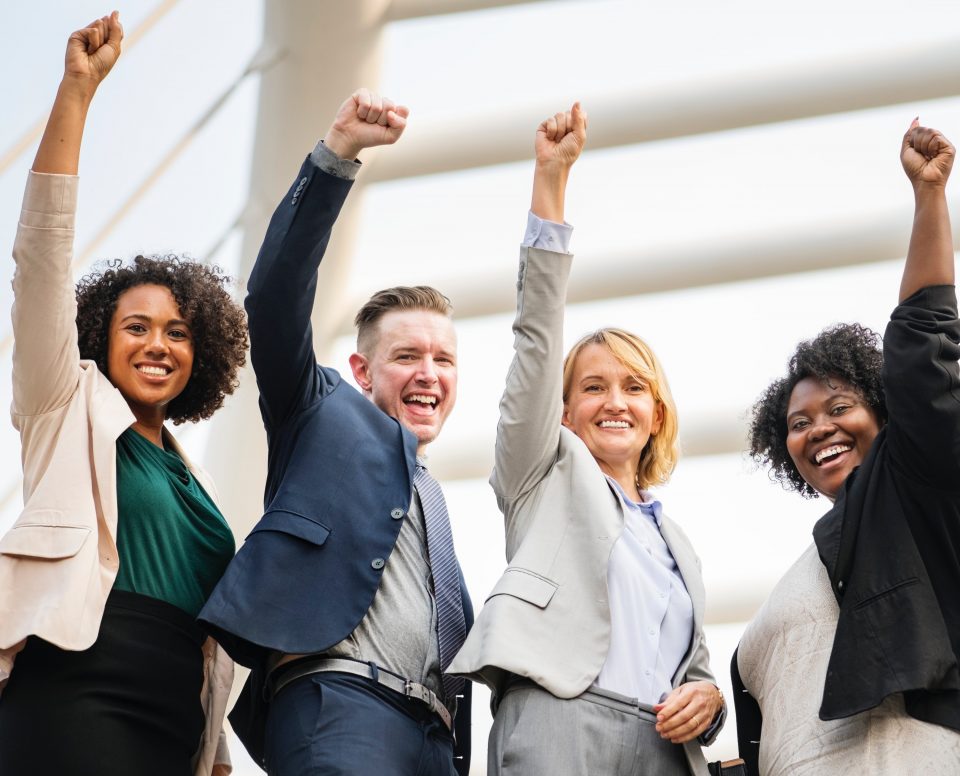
659, 457
397, 298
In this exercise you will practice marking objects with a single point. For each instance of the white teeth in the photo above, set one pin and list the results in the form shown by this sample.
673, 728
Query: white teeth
422, 398
158, 371
831, 451
614, 424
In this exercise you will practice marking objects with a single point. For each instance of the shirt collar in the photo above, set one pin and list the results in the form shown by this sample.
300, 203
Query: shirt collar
650, 506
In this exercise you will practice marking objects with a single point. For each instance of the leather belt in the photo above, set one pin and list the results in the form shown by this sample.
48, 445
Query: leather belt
284, 674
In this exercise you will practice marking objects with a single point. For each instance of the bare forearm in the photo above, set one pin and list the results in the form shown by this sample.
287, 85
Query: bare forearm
59, 150
549, 191
930, 260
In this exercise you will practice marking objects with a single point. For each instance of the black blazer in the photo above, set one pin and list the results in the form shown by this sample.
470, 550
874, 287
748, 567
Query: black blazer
891, 542
338, 468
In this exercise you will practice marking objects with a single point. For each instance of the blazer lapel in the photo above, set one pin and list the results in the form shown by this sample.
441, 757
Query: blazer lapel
110, 417
692, 578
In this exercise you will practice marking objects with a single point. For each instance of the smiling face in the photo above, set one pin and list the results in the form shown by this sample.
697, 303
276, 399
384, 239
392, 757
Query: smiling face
829, 430
410, 370
611, 410
149, 351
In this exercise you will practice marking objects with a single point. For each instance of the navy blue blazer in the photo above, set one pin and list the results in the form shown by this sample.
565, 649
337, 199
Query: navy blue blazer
339, 469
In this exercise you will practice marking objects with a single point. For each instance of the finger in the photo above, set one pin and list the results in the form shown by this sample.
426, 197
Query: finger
376, 109
578, 117
92, 36
550, 128
362, 98
908, 135
388, 107
395, 120
402, 111
561, 118
114, 30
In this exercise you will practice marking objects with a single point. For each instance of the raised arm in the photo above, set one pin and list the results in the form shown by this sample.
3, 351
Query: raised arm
91, 54
283, 283
927, 158
46, 358
921, 345
531, 407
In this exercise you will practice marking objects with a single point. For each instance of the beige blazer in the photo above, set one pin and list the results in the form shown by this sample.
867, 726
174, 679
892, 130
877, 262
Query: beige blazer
59, 560
548, 617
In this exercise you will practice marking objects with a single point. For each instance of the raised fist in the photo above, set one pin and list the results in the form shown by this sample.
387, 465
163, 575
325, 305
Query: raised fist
93, 51
926, 155
364, 120
560, 138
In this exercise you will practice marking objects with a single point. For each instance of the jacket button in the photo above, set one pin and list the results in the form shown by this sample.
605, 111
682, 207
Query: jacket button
396, 513
377, 563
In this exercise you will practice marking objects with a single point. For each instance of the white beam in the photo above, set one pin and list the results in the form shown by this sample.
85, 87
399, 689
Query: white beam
324, 50
705, 105
698, 262
400, 10
462, 457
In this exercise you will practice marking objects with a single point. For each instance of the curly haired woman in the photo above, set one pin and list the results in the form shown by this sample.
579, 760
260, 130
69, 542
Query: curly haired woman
851, 665
120, 540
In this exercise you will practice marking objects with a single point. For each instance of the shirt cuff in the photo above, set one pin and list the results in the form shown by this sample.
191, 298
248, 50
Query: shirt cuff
329, 162
548, 235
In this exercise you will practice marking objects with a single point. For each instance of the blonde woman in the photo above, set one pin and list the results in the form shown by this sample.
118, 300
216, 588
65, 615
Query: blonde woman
592, 640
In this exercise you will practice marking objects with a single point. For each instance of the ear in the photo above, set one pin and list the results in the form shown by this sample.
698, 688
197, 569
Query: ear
360, 367
657, 419
565, 418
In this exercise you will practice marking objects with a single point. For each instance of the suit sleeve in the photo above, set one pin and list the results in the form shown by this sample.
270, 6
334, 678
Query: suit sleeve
532, 403
282, 290
46, 358
921, 380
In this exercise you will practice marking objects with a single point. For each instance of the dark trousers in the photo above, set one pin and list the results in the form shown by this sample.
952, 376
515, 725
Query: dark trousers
331, 724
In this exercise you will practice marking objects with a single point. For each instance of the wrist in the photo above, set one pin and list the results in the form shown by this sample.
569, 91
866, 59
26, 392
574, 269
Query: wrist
341, 145
79, 89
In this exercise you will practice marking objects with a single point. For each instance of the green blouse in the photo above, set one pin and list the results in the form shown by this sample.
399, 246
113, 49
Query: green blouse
173, 542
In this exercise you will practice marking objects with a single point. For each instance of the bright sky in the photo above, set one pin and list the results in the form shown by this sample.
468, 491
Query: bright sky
720, 344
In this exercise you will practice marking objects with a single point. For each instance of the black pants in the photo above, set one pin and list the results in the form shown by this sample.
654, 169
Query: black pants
128, 705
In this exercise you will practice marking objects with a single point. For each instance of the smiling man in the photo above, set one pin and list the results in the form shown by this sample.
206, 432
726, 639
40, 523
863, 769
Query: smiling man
346, 600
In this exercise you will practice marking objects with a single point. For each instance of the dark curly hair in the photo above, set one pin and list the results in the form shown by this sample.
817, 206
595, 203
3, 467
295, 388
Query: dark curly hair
217, 323
848, 352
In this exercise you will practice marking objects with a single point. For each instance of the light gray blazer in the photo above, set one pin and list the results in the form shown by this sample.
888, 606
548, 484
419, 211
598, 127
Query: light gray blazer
548, 617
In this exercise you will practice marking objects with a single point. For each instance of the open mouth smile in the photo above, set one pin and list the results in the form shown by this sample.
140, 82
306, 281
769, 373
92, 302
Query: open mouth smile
830, 454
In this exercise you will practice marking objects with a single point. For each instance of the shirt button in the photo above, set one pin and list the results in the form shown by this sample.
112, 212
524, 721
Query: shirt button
652, 632
377, 563
396, 513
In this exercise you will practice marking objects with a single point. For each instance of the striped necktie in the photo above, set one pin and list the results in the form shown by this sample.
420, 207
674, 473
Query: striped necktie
451, 628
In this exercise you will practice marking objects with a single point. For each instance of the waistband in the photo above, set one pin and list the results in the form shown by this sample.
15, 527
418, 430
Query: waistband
612, 700
286, 673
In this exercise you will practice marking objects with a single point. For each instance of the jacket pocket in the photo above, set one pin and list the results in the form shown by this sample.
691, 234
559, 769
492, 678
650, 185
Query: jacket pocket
49, 542
293, 524
526, 585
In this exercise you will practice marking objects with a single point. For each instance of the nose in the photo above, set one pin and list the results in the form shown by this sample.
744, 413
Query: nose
156, 342
427, 371
823, 428
615, 400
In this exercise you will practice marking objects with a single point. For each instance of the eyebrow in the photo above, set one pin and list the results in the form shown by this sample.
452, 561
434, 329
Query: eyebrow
148, 319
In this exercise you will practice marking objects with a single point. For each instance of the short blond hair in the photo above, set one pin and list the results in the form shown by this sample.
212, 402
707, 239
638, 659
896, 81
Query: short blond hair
659, 457
397, 298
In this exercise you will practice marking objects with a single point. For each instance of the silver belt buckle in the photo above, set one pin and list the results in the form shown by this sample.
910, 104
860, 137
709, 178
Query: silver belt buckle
425, 695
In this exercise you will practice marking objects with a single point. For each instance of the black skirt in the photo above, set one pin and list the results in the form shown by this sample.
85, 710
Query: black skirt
128, 705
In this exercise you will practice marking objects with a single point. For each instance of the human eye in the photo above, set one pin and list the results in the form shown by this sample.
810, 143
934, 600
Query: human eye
136, 328
592, 388
839, 409
798, 424
178, 334
637, 387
